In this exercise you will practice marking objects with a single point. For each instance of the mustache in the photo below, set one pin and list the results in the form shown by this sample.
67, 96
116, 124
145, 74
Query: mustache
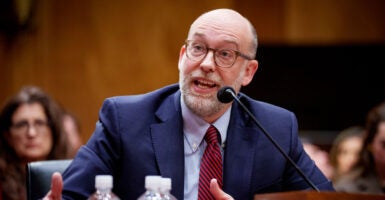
209, 76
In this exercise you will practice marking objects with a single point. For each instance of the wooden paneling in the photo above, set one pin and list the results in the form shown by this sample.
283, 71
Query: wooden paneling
326, 22
82, 52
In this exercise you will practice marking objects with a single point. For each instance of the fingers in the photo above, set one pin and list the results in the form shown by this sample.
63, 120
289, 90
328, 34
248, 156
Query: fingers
57, 184
56, 187
217, 192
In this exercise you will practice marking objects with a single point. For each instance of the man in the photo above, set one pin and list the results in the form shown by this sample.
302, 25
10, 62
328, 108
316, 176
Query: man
161, 133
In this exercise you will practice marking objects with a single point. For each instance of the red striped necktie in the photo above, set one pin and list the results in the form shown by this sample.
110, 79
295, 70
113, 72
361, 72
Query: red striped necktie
211, 165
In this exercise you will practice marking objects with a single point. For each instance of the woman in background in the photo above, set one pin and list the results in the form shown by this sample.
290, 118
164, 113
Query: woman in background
368, 175
31, 130
345, 151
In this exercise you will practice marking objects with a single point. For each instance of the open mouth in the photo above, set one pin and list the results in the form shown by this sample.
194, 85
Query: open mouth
204, 84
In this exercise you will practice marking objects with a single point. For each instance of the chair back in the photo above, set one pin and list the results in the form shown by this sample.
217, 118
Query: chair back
39, 176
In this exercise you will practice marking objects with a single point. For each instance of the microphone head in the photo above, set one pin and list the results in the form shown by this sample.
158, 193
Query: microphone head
224, 94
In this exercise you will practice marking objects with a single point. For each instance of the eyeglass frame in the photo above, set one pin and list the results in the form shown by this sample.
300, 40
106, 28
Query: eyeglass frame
237, 54
24, 126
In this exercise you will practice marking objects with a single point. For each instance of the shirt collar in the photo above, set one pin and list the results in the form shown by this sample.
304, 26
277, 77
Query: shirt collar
195, 127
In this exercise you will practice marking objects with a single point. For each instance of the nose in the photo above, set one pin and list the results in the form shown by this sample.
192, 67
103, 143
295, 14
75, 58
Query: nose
208, 62
31, 132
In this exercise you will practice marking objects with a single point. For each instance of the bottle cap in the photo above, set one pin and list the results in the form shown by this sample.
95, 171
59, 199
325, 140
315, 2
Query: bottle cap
166, 183
153, 182
103, 181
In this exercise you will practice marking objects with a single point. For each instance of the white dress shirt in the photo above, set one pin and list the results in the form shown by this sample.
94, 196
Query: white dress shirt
194, 129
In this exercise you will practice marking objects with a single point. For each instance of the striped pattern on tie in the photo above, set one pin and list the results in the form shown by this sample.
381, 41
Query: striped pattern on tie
211, 164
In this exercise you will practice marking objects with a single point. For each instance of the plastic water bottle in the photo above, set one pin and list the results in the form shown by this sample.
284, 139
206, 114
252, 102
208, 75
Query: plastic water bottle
165, 188
103, 185
152, 185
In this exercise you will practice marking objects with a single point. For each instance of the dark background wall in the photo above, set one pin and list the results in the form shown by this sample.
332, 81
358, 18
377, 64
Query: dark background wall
328, 87
323, 59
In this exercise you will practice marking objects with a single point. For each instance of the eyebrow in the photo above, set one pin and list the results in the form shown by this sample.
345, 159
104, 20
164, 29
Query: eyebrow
201, 35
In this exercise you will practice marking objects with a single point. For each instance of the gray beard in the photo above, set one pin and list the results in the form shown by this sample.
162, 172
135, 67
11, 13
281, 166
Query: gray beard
203, 106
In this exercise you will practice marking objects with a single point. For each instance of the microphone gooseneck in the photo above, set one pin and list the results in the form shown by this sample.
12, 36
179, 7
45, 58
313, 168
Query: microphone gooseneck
226, 95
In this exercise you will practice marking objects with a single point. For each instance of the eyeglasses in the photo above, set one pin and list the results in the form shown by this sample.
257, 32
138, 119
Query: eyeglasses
197, 51
23, 127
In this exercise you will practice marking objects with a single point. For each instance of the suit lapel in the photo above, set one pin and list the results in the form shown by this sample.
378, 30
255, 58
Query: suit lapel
167, 137
239, 154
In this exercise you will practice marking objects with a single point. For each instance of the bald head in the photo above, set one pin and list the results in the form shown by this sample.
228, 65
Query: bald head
231, 22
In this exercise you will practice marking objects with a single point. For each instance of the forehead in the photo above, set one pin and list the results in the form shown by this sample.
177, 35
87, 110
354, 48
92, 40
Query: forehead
29, 111
221, 26
351, 142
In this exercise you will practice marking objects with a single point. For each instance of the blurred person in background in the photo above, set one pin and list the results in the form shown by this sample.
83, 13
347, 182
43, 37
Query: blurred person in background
71, 125
319, 156
368, 175
31, 130
345, 151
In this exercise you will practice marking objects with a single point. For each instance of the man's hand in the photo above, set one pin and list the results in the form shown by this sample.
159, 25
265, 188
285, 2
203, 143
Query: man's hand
218, 192
56, 187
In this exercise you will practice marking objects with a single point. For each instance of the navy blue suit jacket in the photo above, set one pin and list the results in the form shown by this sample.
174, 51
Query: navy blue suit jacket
143, 135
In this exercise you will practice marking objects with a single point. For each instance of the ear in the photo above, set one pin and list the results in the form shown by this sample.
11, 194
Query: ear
181, 53
250, 70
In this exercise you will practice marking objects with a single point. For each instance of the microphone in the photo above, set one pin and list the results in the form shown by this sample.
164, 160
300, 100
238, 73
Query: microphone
226, 95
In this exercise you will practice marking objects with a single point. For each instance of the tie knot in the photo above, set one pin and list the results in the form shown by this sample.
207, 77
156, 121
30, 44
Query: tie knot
211, 136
